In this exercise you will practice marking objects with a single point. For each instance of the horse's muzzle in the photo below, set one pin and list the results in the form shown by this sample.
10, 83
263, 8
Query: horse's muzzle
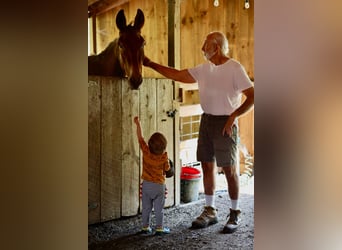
135, 82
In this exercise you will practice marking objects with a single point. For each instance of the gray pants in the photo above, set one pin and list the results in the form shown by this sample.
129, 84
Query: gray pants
153, 195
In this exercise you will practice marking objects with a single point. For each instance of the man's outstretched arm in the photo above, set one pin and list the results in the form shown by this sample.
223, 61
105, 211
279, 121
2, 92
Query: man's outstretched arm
171, 73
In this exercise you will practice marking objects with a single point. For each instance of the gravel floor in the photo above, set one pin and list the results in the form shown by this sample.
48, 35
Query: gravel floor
124, 233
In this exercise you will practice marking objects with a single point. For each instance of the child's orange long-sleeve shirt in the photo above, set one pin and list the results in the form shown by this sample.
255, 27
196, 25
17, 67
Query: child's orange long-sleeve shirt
154, 166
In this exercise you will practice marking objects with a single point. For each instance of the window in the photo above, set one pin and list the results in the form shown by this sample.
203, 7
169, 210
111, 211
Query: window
189, 127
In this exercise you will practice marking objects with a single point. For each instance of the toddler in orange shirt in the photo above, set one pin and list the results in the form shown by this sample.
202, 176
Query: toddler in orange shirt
155, 166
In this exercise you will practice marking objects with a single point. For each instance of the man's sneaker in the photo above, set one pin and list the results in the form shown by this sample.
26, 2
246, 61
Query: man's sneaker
162, 231
233, 221
145, 231
208, 217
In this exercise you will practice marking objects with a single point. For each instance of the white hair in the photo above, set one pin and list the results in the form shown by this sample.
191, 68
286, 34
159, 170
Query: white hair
221, 40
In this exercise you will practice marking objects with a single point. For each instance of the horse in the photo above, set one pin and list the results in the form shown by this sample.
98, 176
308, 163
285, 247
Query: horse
124, 56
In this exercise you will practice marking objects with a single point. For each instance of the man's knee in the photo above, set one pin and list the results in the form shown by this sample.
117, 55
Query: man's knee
230, 171
207, 167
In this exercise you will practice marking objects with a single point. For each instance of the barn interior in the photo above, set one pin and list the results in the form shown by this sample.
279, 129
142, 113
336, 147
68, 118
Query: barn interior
174, 32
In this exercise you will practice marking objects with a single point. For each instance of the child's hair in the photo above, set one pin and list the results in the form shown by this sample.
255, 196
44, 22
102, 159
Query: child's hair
157, 143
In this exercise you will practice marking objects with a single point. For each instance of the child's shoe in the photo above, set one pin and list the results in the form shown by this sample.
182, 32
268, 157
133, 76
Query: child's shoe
162, 231
146, 231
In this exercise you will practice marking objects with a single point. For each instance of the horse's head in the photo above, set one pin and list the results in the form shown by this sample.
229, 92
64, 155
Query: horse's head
131, 46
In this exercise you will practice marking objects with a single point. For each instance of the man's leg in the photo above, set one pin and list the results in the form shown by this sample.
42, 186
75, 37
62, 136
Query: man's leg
209, 214
209, 180
209, 183
232, 178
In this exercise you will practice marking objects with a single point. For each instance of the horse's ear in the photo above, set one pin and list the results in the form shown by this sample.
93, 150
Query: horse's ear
139, 19
121, 20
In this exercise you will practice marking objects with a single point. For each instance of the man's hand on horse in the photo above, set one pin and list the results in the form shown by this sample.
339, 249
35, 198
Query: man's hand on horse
146, 61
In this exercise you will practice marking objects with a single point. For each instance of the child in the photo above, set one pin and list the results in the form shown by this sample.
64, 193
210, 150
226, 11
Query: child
155, 166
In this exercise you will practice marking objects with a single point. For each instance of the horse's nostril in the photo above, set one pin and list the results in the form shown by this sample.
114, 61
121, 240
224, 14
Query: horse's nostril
135, 82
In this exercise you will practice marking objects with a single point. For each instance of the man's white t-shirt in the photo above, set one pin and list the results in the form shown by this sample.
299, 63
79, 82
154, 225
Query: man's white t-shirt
220, 86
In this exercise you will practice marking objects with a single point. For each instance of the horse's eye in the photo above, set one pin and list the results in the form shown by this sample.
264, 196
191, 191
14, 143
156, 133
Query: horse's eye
120, 45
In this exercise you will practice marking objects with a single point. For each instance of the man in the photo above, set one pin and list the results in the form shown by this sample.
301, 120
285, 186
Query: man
221, 83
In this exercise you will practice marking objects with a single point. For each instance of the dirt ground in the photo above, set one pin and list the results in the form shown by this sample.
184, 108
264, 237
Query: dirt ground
124, 233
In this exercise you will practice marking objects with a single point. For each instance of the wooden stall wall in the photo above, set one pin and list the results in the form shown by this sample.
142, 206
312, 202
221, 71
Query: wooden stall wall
114, 157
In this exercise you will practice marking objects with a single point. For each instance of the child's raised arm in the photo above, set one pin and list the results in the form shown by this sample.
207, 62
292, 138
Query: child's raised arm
139, 133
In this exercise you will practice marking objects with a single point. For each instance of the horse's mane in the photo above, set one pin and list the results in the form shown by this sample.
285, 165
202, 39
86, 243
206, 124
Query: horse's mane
105, 63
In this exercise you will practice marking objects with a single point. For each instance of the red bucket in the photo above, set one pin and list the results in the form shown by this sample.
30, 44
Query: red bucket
189, 173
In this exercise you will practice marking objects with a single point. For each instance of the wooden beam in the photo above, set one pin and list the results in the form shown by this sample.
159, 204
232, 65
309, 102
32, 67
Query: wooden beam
91, 2
171, 33
102, 6
93, 35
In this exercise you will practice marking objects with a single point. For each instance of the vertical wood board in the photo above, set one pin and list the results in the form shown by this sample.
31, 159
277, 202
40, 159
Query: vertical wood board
177, 163
111, 173
94, 150
130, 147
165, 125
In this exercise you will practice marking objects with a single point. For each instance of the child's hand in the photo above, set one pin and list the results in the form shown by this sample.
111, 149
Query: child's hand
136, 120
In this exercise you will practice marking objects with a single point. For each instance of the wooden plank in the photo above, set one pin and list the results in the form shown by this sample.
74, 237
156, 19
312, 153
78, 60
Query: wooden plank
188, 33
111, 161
155, 32
92, 36
165, 125
177, 164
90, 2
177, 30
94, 150
130, 149
104, 6
249, 64
189, 97
246, 125
148, 107
175, 106
190, 110
232, 27
244, 53
177, 47
106, 30
171, 33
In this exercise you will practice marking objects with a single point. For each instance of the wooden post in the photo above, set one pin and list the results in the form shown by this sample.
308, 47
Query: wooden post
94, 150
93, 35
